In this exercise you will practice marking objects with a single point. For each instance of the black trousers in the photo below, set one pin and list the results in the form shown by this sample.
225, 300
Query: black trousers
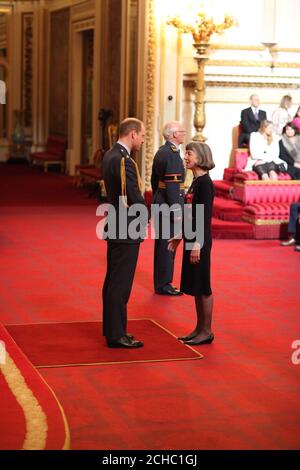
293, 226
163, 264
121, 264
163, 258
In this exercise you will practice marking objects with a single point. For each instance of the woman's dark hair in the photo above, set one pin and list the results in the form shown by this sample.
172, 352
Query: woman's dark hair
292, 126
203, 152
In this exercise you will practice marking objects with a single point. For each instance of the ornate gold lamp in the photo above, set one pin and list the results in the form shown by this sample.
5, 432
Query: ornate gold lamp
202, 28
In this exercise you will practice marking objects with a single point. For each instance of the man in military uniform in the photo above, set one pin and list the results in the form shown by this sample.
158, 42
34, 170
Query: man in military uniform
167, 182
123, 187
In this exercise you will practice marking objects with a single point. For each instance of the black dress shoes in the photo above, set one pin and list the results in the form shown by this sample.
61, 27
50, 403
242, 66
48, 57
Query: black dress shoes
208, 340
290, 242
168, 290
124, 342
188, 337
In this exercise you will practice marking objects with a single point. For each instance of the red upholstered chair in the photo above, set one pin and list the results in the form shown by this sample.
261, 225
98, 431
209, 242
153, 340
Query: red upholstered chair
241, 157
54, 153
90, 173
267, 203
248, 188
269, 220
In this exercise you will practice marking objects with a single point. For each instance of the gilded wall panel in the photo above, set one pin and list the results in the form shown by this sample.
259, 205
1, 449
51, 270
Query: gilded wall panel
27, 69
59, 72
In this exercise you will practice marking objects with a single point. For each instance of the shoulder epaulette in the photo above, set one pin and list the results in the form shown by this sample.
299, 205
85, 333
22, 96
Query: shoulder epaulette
124, 153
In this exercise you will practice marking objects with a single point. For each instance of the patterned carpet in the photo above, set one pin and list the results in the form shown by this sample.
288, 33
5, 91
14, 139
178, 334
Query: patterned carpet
245, 392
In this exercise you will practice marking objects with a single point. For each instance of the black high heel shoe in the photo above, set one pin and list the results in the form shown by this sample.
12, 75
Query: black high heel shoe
188, 337
208, 340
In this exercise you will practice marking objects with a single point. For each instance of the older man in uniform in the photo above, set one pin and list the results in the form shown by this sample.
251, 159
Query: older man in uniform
123, 187
167, 182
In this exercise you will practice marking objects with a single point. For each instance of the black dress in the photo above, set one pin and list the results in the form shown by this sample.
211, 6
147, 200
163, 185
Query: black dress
195, 278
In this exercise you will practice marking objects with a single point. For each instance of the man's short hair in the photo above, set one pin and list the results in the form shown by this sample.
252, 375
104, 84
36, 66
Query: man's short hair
128, 125
170, 128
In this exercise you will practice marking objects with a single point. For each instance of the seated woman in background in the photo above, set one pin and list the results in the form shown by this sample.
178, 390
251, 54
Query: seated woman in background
264, 150
296, 119
290, 150
281, 115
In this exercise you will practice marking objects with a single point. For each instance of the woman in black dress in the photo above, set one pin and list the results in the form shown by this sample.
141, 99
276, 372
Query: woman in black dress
195, 275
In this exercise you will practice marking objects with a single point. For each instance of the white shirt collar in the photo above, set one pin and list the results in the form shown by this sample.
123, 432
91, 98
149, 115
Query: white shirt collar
124, 145
173, 143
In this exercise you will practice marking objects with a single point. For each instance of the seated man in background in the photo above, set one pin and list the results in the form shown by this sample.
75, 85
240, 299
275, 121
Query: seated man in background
293, 227
250, 120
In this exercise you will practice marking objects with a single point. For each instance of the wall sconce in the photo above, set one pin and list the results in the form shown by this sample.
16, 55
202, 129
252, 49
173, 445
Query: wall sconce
202, 27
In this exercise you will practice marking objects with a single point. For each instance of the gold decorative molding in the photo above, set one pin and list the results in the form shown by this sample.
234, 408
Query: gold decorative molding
254, 221
53, 5
84, 25
179, 77
3, 32
290, 77
230, 47
150, 92
251, 63
252, 84
236, 84
162, 80
84, 9
35, 418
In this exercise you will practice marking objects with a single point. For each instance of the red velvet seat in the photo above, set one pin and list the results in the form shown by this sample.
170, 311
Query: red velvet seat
240, 158
55, 153
249, 189
269, 220
266, 203
92, 172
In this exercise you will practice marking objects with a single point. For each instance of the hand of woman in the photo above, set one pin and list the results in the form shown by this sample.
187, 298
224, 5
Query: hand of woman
173, 243
297, 165
195, 254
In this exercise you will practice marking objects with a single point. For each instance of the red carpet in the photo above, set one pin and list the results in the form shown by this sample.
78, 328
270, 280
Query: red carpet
55, 189
31, 418
65, 344
226, 229
227, 209
244, 394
